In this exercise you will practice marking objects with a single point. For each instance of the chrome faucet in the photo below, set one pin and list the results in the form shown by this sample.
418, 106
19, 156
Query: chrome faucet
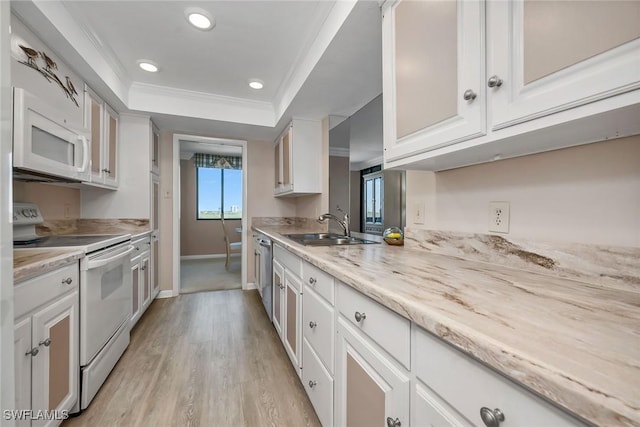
343, 222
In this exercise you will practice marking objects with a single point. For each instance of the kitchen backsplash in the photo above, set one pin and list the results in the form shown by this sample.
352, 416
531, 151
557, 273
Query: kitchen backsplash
587, 194
93, 226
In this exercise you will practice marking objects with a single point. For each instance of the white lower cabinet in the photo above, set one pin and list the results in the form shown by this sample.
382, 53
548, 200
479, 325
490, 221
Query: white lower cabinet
287, 304
46, 346
141, 292
472, 389
318, 383
371, 389
428, 410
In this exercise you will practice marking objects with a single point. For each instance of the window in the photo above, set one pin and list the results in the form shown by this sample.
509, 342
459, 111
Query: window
219, 193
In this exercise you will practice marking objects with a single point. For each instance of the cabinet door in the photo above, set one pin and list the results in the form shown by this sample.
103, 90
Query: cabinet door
155, 150
277, 155
110, 160
136, 301
428, 410
555, 55
278, 297
145, 280
55, 368
22, 360
292, 318
287, 172
94, 122
371, 390
155, 265
433, 75
155, 203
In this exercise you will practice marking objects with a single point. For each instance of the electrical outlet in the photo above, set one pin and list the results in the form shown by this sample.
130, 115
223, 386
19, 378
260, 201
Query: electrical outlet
418, 214
499, 217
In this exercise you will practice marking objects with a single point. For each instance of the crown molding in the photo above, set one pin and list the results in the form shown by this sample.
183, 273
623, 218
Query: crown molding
188, 103
299, 73
338, 152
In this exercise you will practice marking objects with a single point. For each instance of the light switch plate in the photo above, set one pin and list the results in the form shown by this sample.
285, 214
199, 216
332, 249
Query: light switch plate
418, 213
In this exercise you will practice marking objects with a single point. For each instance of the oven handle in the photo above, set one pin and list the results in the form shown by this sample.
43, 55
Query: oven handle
100, 262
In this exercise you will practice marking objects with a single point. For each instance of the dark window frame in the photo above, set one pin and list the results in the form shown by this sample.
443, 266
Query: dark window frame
221, 198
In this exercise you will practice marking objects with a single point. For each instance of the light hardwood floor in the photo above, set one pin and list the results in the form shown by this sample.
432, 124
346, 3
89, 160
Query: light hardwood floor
203, 359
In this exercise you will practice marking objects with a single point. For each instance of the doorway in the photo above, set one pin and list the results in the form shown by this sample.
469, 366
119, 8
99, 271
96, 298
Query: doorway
210, 186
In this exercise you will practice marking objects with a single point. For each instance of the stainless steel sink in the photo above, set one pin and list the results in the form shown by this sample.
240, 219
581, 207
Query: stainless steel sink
326, 239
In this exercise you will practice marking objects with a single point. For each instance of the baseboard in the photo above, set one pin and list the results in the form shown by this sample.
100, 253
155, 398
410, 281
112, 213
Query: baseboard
211, 256
165, 294
250, 286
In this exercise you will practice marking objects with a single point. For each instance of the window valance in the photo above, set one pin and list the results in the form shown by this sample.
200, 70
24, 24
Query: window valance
203, 160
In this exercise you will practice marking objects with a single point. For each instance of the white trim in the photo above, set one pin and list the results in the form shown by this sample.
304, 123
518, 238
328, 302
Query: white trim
165, 294
177, 137
338, 152
208, 256
378, 160
250, 286
188, 103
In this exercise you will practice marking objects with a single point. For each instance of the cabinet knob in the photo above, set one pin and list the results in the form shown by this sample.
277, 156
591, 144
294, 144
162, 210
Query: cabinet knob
67, 281
312, 280
312, 383
393, 423
106, 170
360, 316
469, 95
33, 352
494, 81
143, 268
312, 324
491, 418
45, 343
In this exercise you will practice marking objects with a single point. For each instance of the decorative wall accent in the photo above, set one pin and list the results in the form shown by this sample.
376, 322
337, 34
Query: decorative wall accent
216, 161
48, 71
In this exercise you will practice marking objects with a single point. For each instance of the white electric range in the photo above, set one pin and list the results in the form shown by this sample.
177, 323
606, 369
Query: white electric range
105, 294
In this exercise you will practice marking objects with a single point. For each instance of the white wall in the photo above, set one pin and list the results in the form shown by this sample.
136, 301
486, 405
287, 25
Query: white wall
133, 198
586, 194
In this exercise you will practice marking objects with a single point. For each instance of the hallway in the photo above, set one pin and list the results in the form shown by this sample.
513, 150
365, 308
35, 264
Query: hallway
202, 359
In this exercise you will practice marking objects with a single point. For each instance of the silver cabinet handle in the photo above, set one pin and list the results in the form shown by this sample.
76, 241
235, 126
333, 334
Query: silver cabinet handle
393, 423
312, 383
33, 352
106, 170
359, 316
469, 95
494, 81
491, 418
45, 343
67, 281
312, 280
312, 324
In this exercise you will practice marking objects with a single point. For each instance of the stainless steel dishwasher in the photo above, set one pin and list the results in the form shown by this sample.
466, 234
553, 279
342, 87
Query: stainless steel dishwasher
263, 267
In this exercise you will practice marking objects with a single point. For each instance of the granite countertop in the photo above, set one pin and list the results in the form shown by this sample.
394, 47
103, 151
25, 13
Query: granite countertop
575, 341
29, 263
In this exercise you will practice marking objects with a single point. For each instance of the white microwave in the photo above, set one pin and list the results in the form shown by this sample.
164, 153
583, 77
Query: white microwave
44, 144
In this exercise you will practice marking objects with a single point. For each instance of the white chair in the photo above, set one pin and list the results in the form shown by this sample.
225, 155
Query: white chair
232, 247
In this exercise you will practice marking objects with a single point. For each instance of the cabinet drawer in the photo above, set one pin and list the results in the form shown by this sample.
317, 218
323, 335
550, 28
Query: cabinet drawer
318, 384
319, 281
389, 330
467, 386
288, 260
32, 293
318, 325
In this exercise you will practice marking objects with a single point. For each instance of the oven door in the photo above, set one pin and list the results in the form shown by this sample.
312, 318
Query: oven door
105, 298
43, 143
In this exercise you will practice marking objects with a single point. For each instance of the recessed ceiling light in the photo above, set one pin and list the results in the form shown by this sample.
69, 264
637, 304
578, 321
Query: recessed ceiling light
199, 18
147, 66
256, 84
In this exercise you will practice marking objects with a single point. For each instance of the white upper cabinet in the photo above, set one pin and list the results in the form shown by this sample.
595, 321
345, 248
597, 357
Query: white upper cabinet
433, 80
471, 81
103, 123
297, 154
555, 55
